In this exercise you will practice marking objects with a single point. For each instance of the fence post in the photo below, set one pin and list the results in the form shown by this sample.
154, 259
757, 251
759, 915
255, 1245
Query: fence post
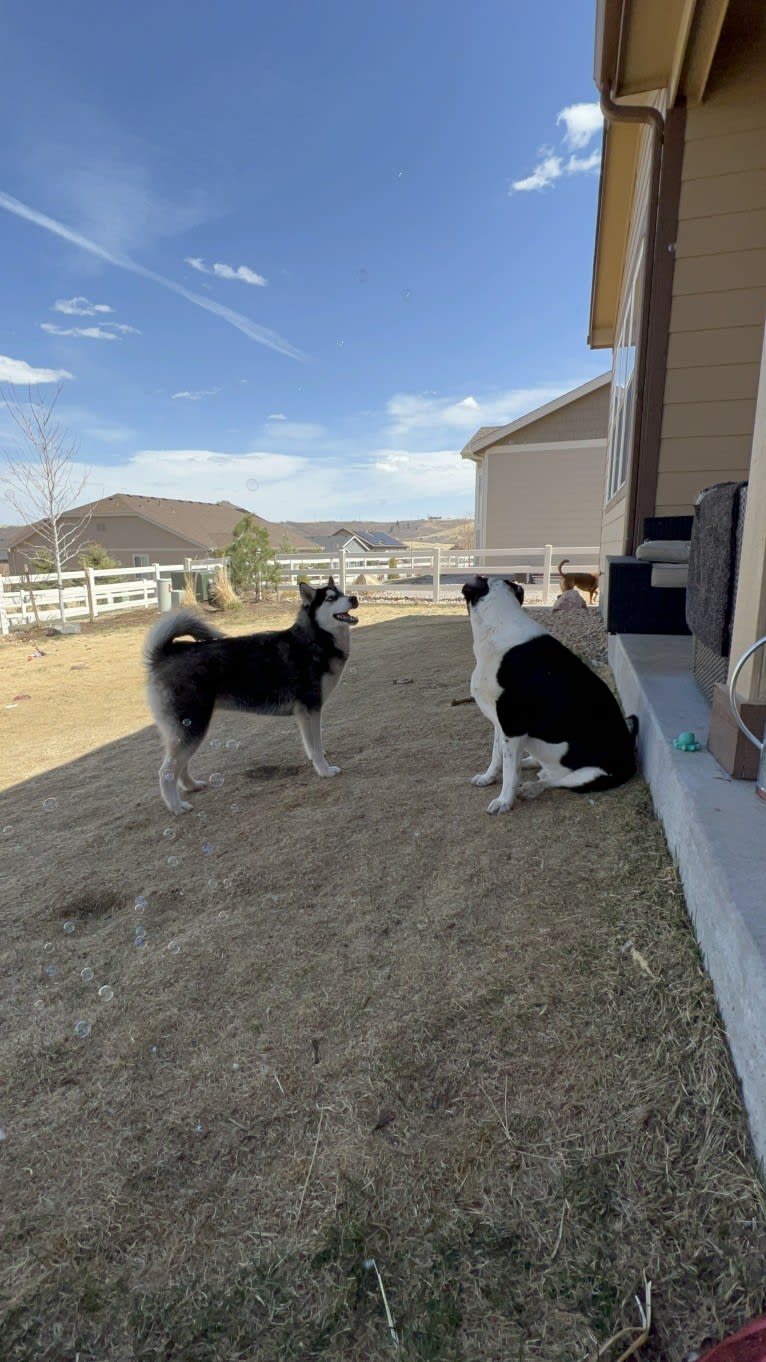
5, 627
437, 570
342, 571
548, 557
90, 588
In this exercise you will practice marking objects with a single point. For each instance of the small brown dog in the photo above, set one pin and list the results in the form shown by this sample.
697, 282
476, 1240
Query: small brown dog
587, 581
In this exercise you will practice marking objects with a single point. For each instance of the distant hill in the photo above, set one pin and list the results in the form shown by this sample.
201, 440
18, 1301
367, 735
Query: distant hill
432, 530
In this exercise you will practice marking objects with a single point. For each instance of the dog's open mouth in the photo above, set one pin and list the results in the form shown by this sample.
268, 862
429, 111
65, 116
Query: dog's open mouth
345, 618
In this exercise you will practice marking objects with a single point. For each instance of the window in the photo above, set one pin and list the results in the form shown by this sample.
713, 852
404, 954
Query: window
140, 559
623, 396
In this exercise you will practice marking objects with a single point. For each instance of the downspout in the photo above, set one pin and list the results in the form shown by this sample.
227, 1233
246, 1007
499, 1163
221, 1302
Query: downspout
651, 118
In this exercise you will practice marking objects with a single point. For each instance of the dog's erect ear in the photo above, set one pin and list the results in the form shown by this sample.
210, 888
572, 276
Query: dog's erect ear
307, 593
517, 590
331, 582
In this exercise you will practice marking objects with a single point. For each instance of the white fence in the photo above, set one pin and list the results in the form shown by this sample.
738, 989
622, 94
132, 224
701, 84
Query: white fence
92, 592
403, 566
89, 592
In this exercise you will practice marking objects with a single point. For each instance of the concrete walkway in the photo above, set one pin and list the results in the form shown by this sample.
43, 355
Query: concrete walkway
716, 830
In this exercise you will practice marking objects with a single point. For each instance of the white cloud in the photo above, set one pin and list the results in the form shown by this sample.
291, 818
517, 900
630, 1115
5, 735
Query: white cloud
241, 272
261, 334
586, 164
80, 307
18, 371
276, 416
108, 331
197, 395
581, 123
410, 412
544, 173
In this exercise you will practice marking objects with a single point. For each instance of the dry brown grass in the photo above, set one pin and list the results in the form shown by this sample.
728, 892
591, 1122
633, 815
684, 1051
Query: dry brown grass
222, 593
480, 1052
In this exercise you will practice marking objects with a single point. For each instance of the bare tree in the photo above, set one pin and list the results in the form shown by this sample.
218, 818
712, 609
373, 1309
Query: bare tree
40, 478
464, 532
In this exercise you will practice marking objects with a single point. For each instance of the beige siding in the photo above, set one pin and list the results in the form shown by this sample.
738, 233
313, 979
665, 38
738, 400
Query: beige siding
612, 540
543, 497
719, 287
584, 419
121, 536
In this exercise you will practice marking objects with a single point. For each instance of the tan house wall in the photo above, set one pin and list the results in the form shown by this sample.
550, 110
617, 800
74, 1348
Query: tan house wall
122, 536
719, 286
542, 497
584, 419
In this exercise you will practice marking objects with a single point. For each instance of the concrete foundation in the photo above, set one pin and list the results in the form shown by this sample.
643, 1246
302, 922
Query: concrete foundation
716, 830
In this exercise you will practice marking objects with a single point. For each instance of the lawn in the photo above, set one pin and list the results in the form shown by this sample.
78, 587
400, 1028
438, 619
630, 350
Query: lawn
368, 1023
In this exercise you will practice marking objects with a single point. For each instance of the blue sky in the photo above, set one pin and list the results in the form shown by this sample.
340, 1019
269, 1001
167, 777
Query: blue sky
293, 254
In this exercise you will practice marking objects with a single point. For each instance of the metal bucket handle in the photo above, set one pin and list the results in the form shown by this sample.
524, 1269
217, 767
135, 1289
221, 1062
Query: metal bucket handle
759, 643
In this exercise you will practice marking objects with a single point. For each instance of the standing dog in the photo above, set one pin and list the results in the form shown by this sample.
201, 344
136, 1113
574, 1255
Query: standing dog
286, 671
540, 698
587, 581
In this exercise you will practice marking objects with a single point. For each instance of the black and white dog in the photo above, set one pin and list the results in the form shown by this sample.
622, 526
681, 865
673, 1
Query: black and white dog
286, 671
543, 700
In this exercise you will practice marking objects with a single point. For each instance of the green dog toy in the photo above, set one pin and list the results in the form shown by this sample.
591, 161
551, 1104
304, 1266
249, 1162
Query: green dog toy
686, 742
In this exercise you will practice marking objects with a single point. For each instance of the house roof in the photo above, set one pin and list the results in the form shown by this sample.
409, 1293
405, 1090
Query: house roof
654, 52
490, 435
208, 525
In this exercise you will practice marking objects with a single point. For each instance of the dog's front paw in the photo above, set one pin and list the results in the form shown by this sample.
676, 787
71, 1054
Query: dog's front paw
484, 778
329, 771
500, 805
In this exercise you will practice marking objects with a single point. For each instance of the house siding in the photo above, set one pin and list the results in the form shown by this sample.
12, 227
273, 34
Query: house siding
542, 496
584, 419
122, 537
719, 286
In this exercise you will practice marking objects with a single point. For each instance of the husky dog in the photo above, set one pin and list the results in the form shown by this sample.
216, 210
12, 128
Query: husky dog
543, 700
285, 671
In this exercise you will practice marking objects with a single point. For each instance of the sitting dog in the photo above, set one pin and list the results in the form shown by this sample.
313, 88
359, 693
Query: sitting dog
587, 581
543, 700
286, 671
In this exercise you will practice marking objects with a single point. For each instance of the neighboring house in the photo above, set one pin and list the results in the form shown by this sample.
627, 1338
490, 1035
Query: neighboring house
679, 278
356, 541
540, 479
137, 531
6, 531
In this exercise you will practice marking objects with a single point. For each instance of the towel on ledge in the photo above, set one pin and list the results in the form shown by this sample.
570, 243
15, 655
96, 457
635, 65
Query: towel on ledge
712, 566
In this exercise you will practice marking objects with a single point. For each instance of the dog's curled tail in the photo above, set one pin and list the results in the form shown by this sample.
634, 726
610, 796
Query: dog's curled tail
174, 626
561, 564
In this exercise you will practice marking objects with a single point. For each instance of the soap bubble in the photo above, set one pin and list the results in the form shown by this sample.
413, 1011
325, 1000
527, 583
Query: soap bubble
169, 833
50, 804
8, 829
174, 947
142, 904
406, 294
106, 993
48, 946
215, 742
216, 780
69, 928
207, 848
82, 1029
187, 723
86, 974
231, 744
139, 942
251, 485
172, 860
51, 971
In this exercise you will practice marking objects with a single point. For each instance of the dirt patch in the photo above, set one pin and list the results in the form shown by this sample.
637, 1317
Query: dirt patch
367, 1022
